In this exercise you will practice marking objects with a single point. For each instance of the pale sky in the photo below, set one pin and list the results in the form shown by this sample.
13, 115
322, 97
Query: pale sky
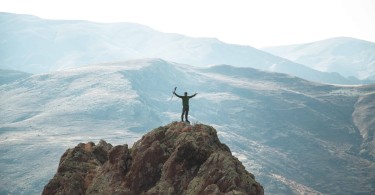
257, 23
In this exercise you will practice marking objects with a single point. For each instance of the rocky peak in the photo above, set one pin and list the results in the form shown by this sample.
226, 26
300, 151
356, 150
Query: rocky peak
173, 159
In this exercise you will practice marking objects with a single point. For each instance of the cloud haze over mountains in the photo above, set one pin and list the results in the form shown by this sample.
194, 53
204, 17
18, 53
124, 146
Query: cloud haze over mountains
294, 135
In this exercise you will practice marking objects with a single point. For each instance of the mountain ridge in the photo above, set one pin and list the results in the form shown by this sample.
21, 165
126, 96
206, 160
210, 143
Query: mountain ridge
348, 56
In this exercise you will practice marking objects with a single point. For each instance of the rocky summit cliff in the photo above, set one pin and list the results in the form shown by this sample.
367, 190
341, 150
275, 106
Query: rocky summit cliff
173, 159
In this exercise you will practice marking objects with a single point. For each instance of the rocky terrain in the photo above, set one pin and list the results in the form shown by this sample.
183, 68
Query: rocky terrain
172, 159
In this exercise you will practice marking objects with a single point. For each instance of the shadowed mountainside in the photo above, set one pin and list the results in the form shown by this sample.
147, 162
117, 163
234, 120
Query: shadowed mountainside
8, 76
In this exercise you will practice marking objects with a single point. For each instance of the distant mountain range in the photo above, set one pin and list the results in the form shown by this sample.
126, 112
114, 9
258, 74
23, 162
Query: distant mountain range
296, 136
35, 45
348, 56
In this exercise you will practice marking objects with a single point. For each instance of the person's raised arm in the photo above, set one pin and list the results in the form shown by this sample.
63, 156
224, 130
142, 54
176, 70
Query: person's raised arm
177, 94
193, 95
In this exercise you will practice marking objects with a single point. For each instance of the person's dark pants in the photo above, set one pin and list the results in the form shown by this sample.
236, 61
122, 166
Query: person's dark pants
185, 111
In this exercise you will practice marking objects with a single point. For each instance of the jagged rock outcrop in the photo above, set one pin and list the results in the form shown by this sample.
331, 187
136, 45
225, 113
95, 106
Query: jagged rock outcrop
174, 159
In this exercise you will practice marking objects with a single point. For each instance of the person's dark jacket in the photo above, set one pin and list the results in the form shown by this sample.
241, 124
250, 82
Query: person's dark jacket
185, 99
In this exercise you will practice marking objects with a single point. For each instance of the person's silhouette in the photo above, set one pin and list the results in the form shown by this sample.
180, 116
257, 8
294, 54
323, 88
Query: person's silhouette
185, 105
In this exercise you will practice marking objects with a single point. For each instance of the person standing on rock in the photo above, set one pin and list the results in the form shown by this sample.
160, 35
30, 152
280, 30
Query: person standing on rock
185, 104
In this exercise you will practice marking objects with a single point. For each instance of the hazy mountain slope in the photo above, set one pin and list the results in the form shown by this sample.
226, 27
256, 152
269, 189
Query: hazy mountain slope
35, 45
272, 122
348, 56
8, 76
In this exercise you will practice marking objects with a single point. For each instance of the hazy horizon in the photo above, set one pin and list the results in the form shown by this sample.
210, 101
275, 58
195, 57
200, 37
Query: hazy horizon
255, 23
